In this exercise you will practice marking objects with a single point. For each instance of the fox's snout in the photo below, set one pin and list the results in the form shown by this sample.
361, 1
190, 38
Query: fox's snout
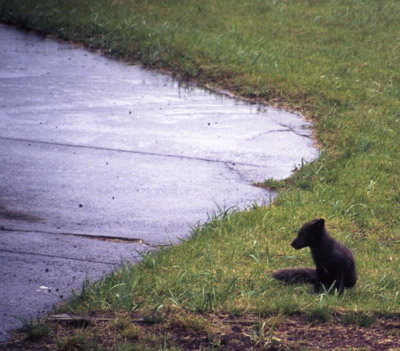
297, 244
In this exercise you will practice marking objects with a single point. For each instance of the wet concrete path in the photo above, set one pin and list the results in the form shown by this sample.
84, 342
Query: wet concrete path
91, 148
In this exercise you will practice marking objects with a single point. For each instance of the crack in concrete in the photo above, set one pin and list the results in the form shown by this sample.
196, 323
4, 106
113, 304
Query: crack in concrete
131, 151
308, 136
118, 239
269, 132
231, 168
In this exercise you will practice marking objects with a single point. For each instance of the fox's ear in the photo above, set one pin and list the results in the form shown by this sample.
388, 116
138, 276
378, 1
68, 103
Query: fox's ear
320, 223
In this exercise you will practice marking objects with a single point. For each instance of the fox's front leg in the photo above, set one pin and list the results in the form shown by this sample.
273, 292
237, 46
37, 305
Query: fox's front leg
324, 280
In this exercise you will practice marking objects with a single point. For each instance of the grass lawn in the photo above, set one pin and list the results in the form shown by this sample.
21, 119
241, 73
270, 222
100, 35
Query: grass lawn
336, 61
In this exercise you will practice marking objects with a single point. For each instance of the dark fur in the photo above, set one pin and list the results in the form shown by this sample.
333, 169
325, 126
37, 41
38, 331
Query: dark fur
334, 262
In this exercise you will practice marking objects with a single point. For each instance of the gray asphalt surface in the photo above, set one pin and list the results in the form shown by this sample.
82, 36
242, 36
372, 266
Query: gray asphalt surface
92, 148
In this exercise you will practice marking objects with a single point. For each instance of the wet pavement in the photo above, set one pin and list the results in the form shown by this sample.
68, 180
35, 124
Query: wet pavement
91, 148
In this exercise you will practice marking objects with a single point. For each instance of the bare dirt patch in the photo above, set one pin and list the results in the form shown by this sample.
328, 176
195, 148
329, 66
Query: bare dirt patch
186, 331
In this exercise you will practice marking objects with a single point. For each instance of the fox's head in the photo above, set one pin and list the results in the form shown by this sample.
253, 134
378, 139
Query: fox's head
309, 234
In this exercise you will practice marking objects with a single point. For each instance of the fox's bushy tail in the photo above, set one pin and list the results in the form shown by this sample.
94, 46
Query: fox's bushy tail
296, 275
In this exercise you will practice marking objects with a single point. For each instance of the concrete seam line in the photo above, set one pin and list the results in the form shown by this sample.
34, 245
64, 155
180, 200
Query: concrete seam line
132, 152
60, 257
88, 236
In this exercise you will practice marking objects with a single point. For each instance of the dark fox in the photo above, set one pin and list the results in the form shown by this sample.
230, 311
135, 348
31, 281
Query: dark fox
335, 266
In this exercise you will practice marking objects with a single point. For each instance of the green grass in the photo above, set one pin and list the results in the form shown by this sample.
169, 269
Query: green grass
35, 330
80, 341
336, 61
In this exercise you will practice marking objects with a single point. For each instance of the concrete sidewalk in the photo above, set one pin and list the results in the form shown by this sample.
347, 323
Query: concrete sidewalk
91, 148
